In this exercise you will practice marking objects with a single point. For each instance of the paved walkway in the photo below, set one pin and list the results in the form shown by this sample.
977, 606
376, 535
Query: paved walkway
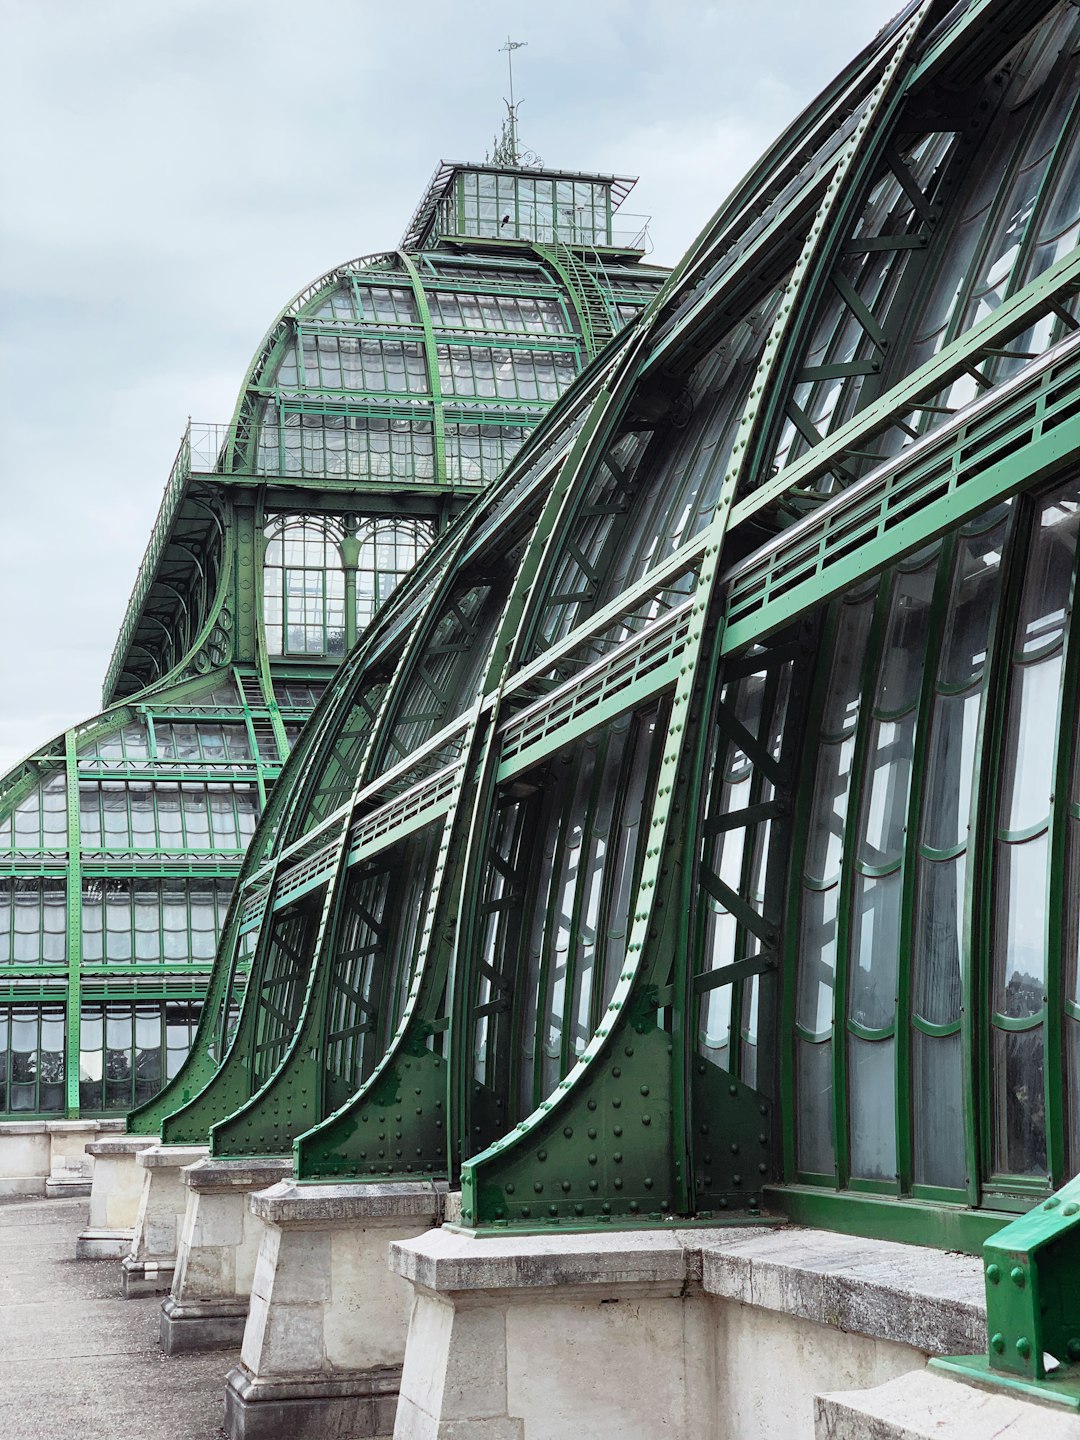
76, 1359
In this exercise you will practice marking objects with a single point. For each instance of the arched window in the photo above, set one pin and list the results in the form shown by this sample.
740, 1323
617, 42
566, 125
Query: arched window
303, 587
388, 551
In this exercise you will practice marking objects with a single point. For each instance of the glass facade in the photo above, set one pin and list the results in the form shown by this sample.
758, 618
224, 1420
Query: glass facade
383, 398
696, 830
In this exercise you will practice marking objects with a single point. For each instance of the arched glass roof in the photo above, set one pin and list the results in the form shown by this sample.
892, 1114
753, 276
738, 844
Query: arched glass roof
699, 819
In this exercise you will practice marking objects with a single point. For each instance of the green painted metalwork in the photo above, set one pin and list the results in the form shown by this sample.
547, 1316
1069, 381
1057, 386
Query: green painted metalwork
431, 354
534, 916
371, 442
73, 1015
1032, 1305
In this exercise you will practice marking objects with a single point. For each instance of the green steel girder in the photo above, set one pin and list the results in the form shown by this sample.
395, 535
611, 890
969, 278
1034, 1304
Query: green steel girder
230, 1084
1046, 294
228, 1091
264, 1122
205, 1057
334, 1146
1032, 1274
647, 971
397, 1122
432, 358
777, 170
290, 1102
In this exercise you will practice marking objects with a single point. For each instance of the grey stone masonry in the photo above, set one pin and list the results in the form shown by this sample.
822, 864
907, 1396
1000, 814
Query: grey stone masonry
326, 1330
114, 1197
929, 1406
930, 1299
48, 1157
702, 1331
148, 1267
219, 1242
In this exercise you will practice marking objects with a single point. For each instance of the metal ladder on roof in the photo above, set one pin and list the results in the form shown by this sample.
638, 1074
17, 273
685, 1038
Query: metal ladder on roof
595, 303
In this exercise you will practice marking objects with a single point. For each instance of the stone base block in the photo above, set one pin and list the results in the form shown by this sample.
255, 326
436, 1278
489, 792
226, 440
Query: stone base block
219, 1244
927, 1406
149, 1266
326, 1332
145, 1277
679, 1333
348, 1404
202, 1326
21, 1185
103, 1244
67, 1187
37, 1153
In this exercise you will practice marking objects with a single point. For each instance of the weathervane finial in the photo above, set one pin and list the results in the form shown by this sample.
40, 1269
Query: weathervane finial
506, 146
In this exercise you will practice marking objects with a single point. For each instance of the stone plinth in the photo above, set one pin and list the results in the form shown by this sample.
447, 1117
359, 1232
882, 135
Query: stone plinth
680, 1333
326, 1331
47, 1157
114, 1197
929, 1406
219, 1243
561, 1335
148, 1267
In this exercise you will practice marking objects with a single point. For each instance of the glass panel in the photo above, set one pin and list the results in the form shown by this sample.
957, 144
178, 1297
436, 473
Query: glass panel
885, 794
872, 1107
950, 765
905, 640
1019, 1102
875, 950
1028, 768
848, 658
976, 575
937, 1116
825, 841
1020, 928
816, 1146
939, 930
1049, 574
817, 960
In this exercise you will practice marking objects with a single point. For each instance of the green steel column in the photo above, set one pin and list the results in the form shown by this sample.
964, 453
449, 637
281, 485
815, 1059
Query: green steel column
73, 1002
250, 634
350, 561
432, 353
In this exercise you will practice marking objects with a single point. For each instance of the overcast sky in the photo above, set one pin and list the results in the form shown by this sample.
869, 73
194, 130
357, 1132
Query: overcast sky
172, 171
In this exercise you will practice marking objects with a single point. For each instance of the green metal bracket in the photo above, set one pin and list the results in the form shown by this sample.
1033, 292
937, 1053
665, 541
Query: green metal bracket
613, 1139
396, 1126
1032, 1269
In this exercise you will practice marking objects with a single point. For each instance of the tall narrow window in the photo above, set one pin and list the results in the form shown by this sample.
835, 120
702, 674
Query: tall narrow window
303, 588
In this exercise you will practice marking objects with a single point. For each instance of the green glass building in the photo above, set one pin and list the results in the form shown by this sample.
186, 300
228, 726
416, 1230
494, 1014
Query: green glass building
697, 829
381, 400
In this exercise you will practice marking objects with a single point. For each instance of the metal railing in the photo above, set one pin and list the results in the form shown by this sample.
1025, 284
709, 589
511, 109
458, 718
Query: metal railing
631, 235
170, 504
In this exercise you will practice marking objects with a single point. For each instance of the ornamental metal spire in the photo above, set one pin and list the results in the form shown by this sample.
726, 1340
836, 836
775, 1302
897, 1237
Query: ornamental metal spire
506, 145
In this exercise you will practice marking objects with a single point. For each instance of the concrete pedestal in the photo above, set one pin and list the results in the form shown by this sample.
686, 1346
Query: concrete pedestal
114, 1197
219, 1243
48, 1157
680, 1333
148, 1267
326, 1332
